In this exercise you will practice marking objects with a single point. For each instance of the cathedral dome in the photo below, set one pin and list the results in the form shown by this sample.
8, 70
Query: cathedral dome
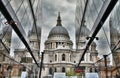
58, 29
58, 37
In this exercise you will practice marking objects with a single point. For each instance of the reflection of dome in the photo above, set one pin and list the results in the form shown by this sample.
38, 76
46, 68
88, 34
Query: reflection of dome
59, 30
33, 31
84, 31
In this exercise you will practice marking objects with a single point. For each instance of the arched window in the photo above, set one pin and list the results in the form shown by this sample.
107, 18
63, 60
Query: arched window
63, 57
83, 59
63, 69
90, 69
55, 57
56, 44
70, 57
50, 70
55, 69
51, 45
96, 70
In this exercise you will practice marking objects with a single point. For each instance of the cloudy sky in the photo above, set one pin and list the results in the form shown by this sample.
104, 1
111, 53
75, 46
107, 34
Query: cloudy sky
50, 9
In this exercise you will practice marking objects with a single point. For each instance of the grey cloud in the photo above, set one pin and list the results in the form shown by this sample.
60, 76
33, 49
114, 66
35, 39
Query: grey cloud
71, 1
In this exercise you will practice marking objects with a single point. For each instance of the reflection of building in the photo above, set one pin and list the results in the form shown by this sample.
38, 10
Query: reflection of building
111, 70
114, 36
6, 39
21, 55
102, 68
59, 55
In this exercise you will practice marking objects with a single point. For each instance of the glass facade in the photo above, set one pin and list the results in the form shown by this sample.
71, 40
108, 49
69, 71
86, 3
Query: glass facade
27, 18
87, 15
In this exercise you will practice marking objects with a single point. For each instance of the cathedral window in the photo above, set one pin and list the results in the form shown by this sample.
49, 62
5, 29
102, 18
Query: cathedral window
56, 44
59, 42
63, 69
24, 69
50, 45
70, 57
50, 70
3, 57
119, 58
32, 43
55, 69
83, 59
63, 57
91, 58
55, 57
90, 69
67, 43
23, 60
96, 70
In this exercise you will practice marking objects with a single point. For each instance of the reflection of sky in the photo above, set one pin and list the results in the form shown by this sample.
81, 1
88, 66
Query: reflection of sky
23, 13
94, 6
92, 12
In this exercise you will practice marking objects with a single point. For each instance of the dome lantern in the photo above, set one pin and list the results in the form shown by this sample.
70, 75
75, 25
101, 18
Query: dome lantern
59, 20
58, 29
